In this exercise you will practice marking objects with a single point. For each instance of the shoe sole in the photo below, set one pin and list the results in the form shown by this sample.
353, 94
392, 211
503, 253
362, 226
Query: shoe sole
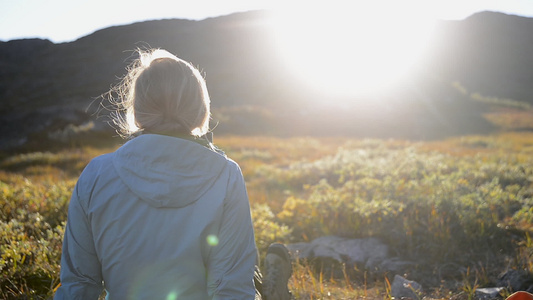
281, 251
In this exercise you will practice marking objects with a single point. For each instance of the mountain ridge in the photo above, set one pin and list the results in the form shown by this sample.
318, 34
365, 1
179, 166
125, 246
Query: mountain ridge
46, 86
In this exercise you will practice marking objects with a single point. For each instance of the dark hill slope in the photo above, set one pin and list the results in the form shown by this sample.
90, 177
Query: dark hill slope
489, 52
46, 86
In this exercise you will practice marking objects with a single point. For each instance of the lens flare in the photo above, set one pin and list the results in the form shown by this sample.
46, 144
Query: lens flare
172, 296
212, 240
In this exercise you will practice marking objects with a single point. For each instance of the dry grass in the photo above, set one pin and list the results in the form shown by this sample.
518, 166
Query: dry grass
281, 170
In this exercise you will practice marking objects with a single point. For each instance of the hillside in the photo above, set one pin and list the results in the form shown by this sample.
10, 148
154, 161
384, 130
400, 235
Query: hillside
489, 53
45, 86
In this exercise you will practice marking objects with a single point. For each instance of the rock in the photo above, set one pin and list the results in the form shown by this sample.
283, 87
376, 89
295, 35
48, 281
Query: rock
489, 293
299, 250
402, 288
336, 256
351, 251
392, 265
329, 253
516, 280
327, 247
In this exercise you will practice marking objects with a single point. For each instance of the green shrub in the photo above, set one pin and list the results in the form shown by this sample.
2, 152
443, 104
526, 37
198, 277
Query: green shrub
267, 229
31, 226
416, 201
459, 202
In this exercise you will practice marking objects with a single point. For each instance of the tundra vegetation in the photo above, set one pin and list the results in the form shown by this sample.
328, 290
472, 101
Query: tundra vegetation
462, 206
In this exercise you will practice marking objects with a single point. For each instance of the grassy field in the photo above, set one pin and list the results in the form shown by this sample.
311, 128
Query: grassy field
462, 206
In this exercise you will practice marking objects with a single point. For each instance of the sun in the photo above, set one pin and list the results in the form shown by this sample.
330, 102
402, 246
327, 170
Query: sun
352, 48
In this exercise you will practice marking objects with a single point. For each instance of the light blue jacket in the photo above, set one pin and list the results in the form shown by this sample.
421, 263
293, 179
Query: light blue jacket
160, 218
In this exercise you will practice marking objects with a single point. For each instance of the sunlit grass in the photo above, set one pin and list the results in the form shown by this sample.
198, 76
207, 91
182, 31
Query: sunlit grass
512, 119
463, 192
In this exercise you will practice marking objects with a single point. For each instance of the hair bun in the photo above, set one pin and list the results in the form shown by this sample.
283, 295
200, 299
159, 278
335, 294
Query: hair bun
162, 93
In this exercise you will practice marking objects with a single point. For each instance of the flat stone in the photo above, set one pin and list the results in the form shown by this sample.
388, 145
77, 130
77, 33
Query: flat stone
402, 288
489, 293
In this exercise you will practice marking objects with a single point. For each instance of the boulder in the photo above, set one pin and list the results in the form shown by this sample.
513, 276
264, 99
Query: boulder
341, 250
393, 265
516, 280
402, 288
333, 254
489, 293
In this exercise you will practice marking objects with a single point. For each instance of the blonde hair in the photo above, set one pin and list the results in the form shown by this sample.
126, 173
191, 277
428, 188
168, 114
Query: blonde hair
161, 93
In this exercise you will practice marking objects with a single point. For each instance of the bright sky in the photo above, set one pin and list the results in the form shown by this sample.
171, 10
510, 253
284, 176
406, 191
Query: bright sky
67, 20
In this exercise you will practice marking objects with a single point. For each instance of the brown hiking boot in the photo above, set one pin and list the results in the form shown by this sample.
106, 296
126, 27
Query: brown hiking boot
278, 270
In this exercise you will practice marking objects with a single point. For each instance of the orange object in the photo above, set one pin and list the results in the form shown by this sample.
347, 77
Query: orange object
520, 296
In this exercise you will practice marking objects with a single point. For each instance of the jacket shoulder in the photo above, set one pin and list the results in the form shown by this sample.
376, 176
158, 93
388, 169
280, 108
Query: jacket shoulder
97, 166
98, 163
233, 166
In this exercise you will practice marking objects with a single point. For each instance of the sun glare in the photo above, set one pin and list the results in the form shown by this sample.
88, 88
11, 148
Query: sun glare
360, 48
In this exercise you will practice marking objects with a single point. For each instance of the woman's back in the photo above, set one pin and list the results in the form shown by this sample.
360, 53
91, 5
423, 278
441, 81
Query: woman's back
170, 219
163, 217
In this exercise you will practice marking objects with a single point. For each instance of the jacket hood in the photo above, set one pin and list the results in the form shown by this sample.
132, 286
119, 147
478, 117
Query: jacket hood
167, 171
